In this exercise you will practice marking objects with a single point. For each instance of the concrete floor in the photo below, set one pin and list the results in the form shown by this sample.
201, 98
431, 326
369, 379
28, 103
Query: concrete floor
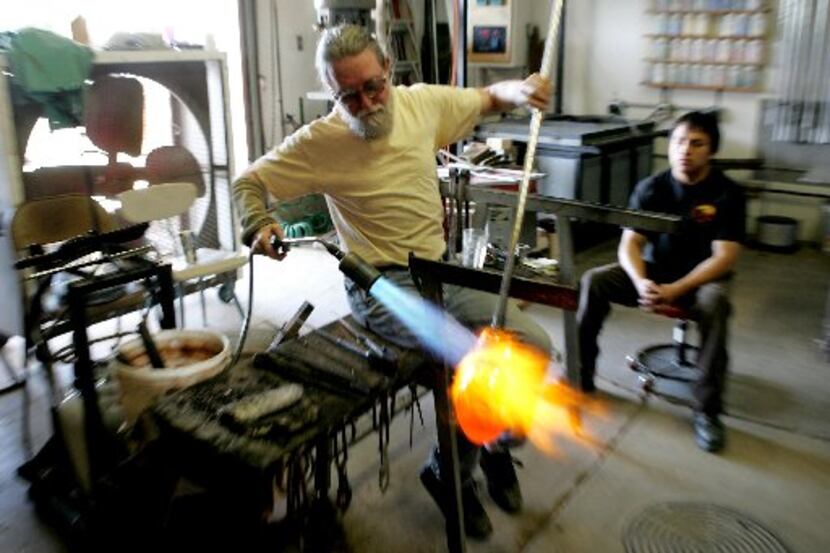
775, 469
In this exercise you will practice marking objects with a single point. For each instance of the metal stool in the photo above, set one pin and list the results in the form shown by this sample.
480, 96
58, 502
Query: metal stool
673, 363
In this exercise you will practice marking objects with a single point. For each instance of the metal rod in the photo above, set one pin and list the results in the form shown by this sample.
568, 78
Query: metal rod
576, 209
452, 214
822, 131
806, 123
530, 156
802, 38
813, 56
250, 62
786, 21
78, 264
433, 15
343, 343
560, 65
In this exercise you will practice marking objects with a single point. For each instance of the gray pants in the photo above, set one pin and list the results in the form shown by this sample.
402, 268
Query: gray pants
472, 308
708, 305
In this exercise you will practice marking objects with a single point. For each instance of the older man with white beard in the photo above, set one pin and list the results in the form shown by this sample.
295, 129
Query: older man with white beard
373, 157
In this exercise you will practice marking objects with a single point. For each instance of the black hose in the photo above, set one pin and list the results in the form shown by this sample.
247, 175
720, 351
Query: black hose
243, 334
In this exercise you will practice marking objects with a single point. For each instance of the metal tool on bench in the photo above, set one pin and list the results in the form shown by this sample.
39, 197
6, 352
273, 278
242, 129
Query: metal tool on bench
381, 351
150, 345
345, 344
314, 370
291, 329
318, 370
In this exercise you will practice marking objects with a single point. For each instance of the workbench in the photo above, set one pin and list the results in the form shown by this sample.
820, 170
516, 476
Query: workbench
245, 462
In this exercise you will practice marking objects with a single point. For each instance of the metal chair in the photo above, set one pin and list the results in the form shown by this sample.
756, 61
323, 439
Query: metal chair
43, 225
169, 204
672, 364
177, 164
72, 240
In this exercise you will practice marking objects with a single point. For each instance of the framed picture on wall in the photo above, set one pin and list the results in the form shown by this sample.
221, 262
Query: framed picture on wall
489, 39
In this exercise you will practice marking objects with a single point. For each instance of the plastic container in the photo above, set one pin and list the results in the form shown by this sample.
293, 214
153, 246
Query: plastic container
191, 355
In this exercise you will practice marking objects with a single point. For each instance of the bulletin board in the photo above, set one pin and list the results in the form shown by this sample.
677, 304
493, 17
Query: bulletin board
490, 32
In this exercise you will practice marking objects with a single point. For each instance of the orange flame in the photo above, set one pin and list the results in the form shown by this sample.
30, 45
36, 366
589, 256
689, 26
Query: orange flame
501, 386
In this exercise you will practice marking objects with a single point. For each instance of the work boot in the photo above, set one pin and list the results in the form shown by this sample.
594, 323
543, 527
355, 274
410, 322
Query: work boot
501, 479
476, 522
709, 432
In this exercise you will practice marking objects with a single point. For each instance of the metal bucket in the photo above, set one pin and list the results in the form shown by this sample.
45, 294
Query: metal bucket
777, 232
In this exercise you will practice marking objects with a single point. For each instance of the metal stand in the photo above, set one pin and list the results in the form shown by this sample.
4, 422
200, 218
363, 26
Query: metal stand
102, 450
445, 424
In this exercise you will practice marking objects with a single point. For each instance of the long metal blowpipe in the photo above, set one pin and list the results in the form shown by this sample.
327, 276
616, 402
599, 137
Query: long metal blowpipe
530, 156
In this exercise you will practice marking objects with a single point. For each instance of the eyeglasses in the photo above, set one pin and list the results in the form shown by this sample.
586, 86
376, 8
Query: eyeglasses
371, 89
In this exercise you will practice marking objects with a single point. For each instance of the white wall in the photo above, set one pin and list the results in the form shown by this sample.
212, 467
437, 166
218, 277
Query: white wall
293, 39
605, 50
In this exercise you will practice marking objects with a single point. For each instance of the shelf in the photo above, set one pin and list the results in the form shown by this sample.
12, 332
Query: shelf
104, 57
709, 37
702, 87
688, 40
689, 62
707, 12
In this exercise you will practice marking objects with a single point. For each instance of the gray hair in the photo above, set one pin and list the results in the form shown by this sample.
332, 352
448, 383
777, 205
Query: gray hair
343, 41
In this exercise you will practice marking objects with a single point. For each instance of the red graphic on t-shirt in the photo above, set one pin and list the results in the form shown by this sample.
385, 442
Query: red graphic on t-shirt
704, 213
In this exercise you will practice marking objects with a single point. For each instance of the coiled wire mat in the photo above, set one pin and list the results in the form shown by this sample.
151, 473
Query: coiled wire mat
697, 528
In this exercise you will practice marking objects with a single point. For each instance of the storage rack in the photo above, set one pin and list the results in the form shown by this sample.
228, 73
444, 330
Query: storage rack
707, 44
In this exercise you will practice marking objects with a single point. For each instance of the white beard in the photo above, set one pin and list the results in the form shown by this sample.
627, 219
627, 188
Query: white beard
371, 123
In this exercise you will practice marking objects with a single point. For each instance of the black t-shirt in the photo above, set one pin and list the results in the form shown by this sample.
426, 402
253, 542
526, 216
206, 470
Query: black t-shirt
713, 209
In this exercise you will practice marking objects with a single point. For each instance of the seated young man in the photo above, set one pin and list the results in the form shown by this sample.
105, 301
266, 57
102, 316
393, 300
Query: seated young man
691, 268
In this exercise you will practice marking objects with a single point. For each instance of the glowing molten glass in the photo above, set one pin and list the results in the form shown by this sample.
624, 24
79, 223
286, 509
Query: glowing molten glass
498, 386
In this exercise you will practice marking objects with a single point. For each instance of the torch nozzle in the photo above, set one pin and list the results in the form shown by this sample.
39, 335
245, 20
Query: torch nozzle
351, 264
333, 250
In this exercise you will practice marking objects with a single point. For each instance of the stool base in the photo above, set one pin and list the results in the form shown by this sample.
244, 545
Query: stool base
662, 373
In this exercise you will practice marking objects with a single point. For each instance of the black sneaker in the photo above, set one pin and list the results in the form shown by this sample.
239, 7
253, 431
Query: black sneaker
709, 432
501, 479
476, 522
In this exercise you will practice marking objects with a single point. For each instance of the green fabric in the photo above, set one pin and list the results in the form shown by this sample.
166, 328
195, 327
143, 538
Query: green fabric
311, 209
50, 70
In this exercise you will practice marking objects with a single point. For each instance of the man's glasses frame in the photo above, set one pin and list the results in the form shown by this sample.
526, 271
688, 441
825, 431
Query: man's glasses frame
371, 89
